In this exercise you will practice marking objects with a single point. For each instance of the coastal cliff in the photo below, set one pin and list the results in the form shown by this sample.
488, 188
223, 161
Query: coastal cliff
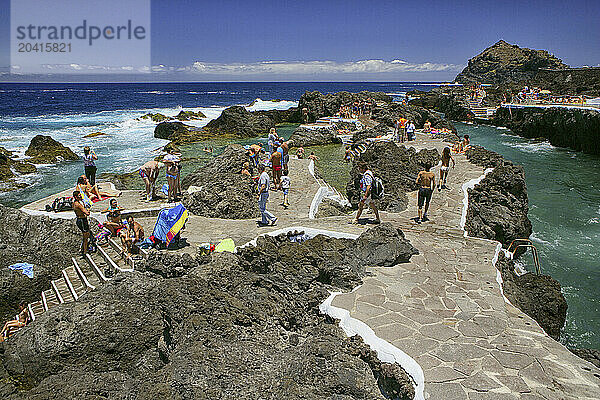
575, 129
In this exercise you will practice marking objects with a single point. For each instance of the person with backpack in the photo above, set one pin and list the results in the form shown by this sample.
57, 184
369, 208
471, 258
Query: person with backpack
367, 183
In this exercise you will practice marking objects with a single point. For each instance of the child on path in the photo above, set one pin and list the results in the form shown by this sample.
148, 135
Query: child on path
285, 187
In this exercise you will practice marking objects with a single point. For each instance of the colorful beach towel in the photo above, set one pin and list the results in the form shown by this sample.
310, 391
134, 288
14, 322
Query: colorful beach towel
25, 268
169, 222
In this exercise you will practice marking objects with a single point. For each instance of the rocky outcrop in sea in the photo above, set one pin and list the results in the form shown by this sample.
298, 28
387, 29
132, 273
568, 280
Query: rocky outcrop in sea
45, 150
397, 166
243, 325
219, 190
11, 169
390, 113
238, 122
575, 129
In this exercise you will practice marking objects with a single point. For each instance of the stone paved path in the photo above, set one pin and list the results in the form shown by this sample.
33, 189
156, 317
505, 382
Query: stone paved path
444, 308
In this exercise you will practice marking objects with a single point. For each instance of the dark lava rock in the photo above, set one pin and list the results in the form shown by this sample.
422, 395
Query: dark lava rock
157, 117
498, 206
303, 137
171, 130
504, 62
390, 113
591, 355
452, 102
538, 296
382, 246
376, 131
572, 81
291, 115
45, 150
325, 105
243, 325
189, 115
46, 243
397, 166
238, 122
330, 208
10, 169
575, 129
483, 157
124, 181
219, 189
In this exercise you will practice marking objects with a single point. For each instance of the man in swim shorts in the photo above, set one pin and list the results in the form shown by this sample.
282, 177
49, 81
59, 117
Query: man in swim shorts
82, 222
276, 165
426, 180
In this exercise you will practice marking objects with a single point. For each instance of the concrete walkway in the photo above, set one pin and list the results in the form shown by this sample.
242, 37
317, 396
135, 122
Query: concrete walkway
445, 308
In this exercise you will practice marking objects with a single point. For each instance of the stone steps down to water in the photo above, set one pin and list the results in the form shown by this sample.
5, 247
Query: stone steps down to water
85, 274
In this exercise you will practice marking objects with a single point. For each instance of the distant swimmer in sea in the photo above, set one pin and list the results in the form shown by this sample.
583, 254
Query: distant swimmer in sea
426, 181
446, 158
149, 173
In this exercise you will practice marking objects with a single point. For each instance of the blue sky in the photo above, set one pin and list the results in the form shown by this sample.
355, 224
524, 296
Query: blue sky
338, 40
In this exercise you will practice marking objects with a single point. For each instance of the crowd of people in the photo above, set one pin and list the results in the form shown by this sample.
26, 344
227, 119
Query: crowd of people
405, 130
356, 109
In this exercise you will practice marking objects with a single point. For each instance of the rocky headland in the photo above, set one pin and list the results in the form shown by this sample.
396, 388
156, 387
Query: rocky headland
243, 325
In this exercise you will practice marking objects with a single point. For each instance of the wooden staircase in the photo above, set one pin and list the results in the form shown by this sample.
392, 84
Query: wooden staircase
84, 275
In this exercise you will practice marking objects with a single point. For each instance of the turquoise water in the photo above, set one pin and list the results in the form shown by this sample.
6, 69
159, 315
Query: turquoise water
564, 208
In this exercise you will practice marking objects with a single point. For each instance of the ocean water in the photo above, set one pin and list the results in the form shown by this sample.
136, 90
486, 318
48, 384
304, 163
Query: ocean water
563, 186
564, 208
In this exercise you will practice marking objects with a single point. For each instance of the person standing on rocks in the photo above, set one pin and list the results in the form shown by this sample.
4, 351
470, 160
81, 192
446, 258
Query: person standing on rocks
89, 165
366, 183
263, 196
271, 139
426, 180
276, 165
410, 131
446, 157
82, 222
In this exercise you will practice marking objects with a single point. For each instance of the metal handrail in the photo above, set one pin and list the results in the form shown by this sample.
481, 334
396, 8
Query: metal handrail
528, 245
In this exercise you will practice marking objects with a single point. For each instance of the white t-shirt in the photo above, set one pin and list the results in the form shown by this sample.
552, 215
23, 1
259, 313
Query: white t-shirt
410, 127
264, 180
285, 182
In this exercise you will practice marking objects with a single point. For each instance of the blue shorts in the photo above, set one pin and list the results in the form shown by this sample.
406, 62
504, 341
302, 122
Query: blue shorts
285, 191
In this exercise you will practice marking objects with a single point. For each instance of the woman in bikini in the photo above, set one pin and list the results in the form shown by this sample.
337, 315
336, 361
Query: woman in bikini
114, 220
446, 157
92, 191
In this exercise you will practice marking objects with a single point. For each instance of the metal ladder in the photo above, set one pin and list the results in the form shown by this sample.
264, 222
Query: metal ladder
528, 244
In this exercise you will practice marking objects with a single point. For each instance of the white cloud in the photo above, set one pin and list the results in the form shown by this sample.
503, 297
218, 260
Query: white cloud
309, 67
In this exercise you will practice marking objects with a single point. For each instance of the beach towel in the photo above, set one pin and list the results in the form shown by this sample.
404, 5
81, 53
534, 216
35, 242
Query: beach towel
100, 199
225, 245
25, 268
169, 222
165, 189
87, 203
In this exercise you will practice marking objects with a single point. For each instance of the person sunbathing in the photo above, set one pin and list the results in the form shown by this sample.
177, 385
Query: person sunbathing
132, 234
92, 191
14, 325
114, 222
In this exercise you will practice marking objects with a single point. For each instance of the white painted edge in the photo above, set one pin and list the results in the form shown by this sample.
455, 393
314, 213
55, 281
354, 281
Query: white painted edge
386, 352
325, 191
465, 187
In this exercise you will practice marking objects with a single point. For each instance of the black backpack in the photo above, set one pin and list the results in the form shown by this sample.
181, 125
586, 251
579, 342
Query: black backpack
61, 204
377, 189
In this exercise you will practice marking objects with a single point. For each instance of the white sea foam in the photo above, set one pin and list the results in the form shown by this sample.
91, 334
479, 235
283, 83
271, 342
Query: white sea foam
538, 239
259, 105
531, 147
